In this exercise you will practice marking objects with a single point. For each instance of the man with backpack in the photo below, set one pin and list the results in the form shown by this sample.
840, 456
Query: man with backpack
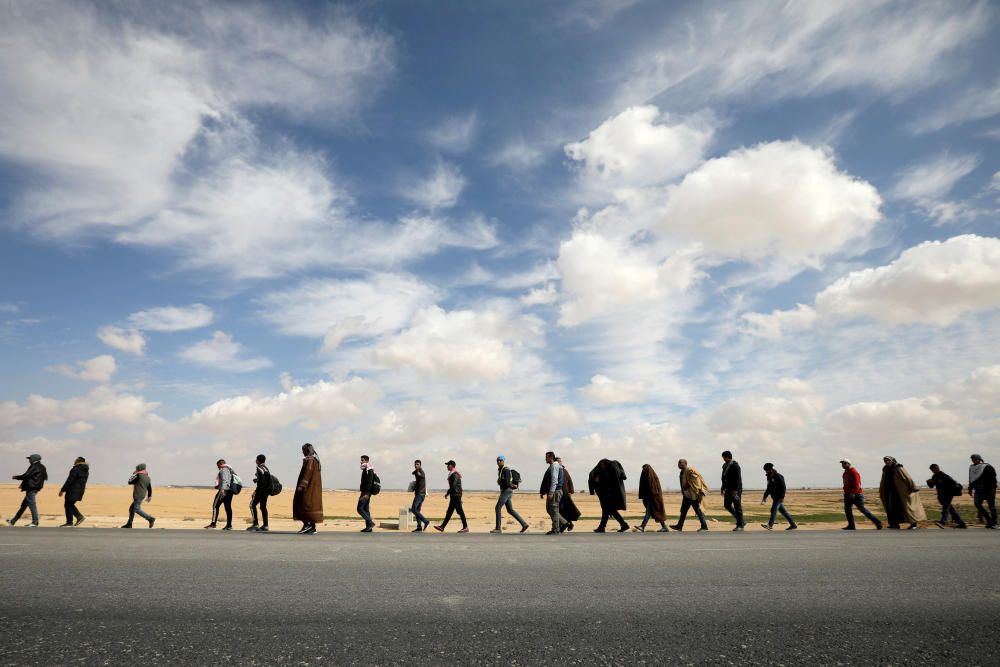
369, 482
262, 491
947, 489
32, 481
226, 485
508, 480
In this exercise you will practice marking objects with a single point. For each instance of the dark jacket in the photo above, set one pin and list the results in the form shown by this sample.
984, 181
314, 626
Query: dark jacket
262, 479
945, 485
367, 480
607, 480
503, 478
547, 481
987, 481
76, 482
454, 485
732, 479
34, 477
419, 482
142, 486
776, 488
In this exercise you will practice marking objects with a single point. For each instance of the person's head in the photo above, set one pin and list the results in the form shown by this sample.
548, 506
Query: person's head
308, 450
417, 465
450, 465
34, 458
79, 459
888, 460
646, 467
501, 460
682, 463
559, 460
845, 463
260, 459
727, 456
976, 458
364, 458
140, 467
220, 462
768, 469
935, 467
550, 457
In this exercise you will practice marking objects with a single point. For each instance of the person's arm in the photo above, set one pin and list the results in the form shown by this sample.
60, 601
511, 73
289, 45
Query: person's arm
451, 484
767, 492
69, 480
310, 466
149, 489
553, 477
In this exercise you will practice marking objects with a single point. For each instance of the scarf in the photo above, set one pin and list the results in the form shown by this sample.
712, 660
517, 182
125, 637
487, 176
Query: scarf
367, 466
976, 471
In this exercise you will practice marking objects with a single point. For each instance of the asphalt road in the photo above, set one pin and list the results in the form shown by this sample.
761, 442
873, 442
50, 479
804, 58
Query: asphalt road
170, 597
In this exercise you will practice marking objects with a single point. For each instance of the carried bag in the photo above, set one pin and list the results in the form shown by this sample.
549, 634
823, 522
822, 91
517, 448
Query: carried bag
275, 487
958, 489
236, 485
515, 479
376, 485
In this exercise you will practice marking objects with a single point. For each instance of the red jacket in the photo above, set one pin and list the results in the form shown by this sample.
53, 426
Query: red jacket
852, 481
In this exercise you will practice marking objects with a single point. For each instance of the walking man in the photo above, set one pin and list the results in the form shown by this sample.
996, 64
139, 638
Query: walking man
32, 481
223, 495
776, 490
651, 495
365, 499
552, 491
854, 496
983, 487
142, 490
607, 480
73, 488
732, 489
693, 491
419, 485
567, 508
505, 480
454, 496
947, 488
261, 492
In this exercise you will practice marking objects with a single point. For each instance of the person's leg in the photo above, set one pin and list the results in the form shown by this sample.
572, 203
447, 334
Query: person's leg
20, 510
849, 511
788, 517
945, 511
645, 517
461, 512
991, 502
216, 504
696, 504
727, 502
501, 501
775, 504
369, 522
618, 517
738, 510
418, 502
517, 517
253, 510
131, 514
227, 502
77, 514
68, 506
959, 521
262, 504
604, 520
859, 502
30, 496
140, 512
447, 514
685, 506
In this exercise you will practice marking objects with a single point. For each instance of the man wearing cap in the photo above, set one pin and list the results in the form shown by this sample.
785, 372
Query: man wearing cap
32, 482
854, 496
732, 489
454, 496
505, 480
776, 490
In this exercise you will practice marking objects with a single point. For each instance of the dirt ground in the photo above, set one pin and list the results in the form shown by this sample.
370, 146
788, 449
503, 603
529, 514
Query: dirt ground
185, 507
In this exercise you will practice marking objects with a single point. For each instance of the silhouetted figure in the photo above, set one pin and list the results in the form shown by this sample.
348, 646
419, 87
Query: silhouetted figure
32, 481
651, 495
776, 490
73, 489
899, 494
947, 489
607, 480
307, 503
142, 491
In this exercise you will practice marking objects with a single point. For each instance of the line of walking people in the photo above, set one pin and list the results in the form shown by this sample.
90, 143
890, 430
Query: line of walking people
898, 493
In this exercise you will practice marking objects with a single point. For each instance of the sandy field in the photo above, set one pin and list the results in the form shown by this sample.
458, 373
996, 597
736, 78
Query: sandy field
185, 507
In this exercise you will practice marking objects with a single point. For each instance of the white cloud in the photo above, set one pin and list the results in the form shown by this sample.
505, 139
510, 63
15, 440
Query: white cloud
763, 413
889, 419
130, 341
455, 134
975, 103
223, 353
412, 422
518, 155
541, 296
172, 318
78, 427
606, 391
98, 369
441, 189
103, 404
778, 323
635, 148
933, 179
935, 282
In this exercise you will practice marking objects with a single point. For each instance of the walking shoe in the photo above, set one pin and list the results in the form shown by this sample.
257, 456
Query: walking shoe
151, 522
569, 527
464, 530
703, 529
211, 525
311, 530
525, 527
663, 530
599, 530
127, 525
676, 527
878, 526
304, 528
638, 529
440, 529
912, 526
80, 520
366, 529
939, 524
262, 529
253, 527
417, 530
496, 531
961, 526
32, 525
563, 527
766, 526
9, 522
427, 524
848, 528
738, 529
793, 527
65, 525
552, 532
227, 528
623, 528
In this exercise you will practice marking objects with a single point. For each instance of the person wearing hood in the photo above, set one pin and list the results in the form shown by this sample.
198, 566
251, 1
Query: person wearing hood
651, 495
32, 481
307, 503
567, 508
72, 490
776, 490
419, 485
142, 490
261, 492
983, 487
368, 478
505, 480
732, 489
854, 496
900, 495
694, 490
454, 496
223, 495
607, 481
947, 488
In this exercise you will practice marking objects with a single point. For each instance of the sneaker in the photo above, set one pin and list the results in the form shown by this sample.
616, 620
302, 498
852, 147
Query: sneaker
623, 528
464, 530
676, 527
569, 526
939, 524
211, 525
878, 526
127, 525
848, 528
496, 531
304, 528
439, 529
311, 530
9, 522
912, 526
417, 530
703, 529
638, 529
65, 525
552, 532
792, 528
738, 529
663, 530
599, 530
262, 529
366, 529
227, 528
767, 526
253, 527
32, 525
80, 520
151, 522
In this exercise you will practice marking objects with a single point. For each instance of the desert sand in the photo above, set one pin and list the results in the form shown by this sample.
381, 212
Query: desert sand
186, 507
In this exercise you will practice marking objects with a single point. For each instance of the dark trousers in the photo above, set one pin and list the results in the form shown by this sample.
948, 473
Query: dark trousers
455, 505
258, 500
686, 504
223, 499
28, 504
858, 500
71, 510
364, 505
611, 514
418, 502
987, 498
734, 505
779, 506
948, 509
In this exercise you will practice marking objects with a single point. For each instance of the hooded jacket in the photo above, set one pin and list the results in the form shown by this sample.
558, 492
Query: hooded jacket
651, 493
142, 486
607, 480
34, 477
776, 488
76, 482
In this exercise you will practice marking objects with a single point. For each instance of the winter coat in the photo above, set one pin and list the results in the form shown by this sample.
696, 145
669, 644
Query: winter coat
896, 480
693, 485
307, 503
367, 481
454, 485
732, 478
142, 486
776, 488
607, 480
946, 487
33, 478
76, 482
651, 493
568, 487
262, 481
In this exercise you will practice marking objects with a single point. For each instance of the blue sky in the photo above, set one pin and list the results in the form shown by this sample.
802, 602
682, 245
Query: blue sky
431, 230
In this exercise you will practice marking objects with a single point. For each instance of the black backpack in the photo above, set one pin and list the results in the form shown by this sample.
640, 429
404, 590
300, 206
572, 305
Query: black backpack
958, 489
515, 479
235, 484
275, 486
376, 484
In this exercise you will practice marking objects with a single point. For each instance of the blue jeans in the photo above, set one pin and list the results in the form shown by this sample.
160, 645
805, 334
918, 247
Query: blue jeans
136, 508
948, 509
858, 501
363, 504
686, 504
505, 501
28, 503
779, 506
987, 497
418, 502
734, 505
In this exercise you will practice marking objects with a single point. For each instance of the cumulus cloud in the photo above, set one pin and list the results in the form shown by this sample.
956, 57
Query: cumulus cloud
763, 413
80, 427
440, 189
778, 323
223, 353
103, 404
172, 318
98, 369
890, 419
131, 341
606, 391
412, 422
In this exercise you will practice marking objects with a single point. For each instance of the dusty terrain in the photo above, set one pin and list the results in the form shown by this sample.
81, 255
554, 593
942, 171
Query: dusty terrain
185, 507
